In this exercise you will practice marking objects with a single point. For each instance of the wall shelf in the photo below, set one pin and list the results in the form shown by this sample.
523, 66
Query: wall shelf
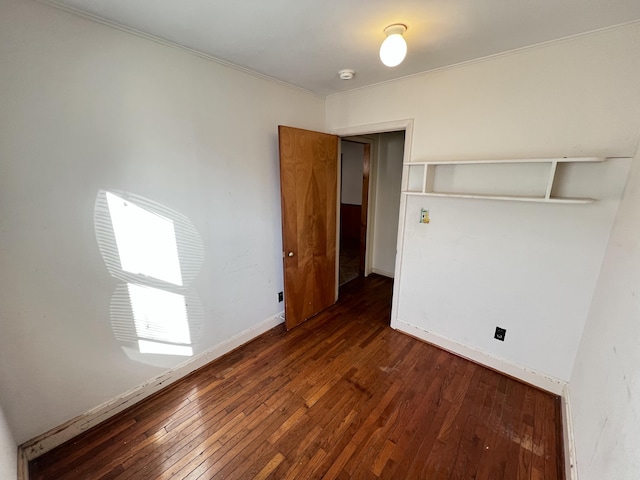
421, 179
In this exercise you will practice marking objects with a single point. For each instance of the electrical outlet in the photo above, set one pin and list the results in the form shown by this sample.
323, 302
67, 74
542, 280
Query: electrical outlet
280, 296
424, 216
500, 334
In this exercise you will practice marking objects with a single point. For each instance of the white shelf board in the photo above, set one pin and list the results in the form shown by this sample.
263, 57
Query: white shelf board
515, 160
517, 198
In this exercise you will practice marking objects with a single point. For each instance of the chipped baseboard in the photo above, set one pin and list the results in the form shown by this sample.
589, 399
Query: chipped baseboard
57, 436
23, 465
570, 467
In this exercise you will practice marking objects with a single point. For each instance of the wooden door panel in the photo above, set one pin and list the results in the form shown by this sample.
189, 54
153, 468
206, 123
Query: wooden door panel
298, 271
326, 175
308, 185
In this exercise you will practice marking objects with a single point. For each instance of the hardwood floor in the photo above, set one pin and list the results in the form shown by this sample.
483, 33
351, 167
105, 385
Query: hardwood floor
341, 396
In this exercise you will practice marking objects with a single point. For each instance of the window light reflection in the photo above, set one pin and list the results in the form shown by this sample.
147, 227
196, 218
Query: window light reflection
146, 241
145, 346
156, 253
159, 315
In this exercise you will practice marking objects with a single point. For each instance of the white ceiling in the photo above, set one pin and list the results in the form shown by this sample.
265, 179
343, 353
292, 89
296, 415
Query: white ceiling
306, 42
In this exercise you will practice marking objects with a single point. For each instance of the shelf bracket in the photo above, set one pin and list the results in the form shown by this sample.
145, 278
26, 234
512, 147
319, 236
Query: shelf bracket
552, 176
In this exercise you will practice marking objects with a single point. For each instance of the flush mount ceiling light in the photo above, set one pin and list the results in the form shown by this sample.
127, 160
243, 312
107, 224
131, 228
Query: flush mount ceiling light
394, 48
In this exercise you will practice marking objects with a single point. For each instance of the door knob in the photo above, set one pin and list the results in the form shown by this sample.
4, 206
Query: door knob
290, 254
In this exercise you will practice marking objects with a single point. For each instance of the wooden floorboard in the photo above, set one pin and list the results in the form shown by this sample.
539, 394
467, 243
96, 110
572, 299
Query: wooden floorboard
341, 396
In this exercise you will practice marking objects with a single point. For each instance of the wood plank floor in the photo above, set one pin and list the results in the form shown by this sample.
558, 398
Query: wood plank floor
342, 396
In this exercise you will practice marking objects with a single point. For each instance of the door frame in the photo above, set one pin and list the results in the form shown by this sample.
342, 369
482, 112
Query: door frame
369, 208
385, 127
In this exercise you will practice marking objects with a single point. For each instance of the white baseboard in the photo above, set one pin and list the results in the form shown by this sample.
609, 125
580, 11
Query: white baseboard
23, 465
527, 375
384, 273
57, 436
570, 467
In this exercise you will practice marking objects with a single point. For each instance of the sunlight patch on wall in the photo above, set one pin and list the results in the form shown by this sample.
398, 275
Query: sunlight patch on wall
145, 346
156, 253
146, 242
159, 315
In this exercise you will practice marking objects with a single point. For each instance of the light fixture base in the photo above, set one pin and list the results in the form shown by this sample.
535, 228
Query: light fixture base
395, 29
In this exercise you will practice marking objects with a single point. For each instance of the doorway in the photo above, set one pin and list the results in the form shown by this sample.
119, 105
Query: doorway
355, 164
386, 181
371, 177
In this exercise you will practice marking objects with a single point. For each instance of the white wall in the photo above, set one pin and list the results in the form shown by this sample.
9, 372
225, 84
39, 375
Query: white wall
351, 173
605, 384
86, 107
530, 268
8, 450
387, 201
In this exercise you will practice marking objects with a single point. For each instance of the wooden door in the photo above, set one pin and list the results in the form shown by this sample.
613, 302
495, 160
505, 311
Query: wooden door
308, 186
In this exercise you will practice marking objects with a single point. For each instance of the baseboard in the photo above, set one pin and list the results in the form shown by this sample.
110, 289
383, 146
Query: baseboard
506, 367
23, 465
570, 467
384, 273
57, 436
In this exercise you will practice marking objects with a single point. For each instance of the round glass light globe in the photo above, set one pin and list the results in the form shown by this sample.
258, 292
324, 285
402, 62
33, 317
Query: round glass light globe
393, 50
